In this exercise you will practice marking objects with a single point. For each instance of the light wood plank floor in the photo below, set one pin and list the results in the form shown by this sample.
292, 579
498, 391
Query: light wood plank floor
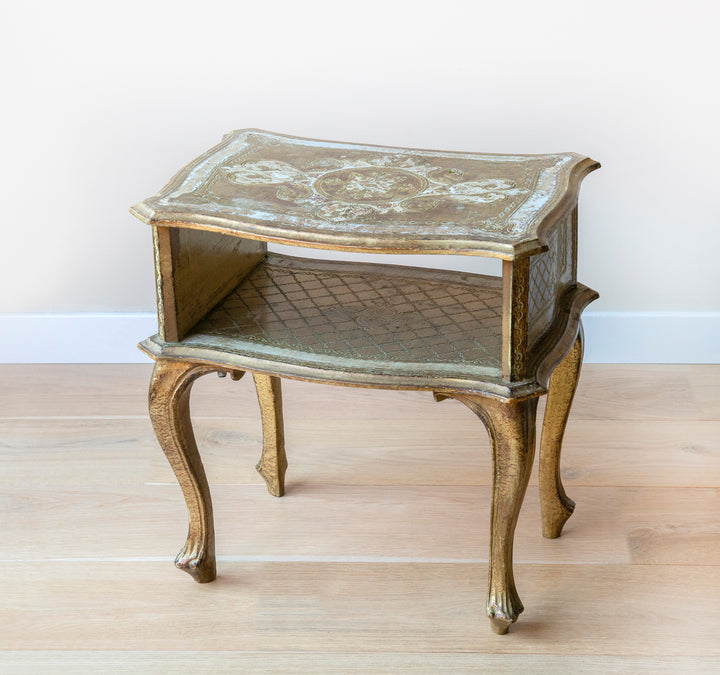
376, 559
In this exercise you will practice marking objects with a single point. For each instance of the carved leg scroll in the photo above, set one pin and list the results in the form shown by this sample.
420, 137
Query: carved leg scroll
511, 425
557, 507
273, 462
170, 414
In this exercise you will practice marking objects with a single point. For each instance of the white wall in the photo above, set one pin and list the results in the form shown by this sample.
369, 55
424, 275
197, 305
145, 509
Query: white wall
108, 99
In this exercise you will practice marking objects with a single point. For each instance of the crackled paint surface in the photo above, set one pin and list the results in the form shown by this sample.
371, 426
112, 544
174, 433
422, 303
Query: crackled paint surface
366, 191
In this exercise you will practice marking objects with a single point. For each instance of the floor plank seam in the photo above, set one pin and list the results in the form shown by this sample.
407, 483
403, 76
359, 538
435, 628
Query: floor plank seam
372, 560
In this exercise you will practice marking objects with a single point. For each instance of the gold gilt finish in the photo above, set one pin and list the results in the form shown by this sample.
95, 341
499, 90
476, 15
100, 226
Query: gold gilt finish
494, 344
556, 506
170, 414
273, 462
511, 425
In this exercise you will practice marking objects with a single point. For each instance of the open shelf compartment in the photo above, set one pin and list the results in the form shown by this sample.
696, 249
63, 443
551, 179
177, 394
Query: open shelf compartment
360, 318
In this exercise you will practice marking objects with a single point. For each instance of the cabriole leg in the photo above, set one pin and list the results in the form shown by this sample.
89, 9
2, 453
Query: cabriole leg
511, 425
170, 414
556, 506
273, 462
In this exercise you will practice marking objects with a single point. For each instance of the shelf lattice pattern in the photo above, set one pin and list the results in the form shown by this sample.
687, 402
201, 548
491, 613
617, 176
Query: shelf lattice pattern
333, 309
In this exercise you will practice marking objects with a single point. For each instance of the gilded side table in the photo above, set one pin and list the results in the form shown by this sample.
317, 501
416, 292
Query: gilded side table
493, 343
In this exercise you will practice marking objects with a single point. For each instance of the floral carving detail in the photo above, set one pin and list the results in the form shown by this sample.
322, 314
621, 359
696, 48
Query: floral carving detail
446, 175
370, 185
486, 191
346, 190
294, 192
337, 212
263, 171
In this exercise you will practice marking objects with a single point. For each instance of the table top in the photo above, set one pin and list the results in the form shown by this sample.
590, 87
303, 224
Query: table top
344, 196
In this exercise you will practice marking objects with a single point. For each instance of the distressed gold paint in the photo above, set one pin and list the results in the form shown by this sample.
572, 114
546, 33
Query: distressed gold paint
494, 344
556, 506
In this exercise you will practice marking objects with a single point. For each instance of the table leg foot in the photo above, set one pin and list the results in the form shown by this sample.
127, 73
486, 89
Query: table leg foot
503, 608
169, 399
511, 425
503, 612
197, 560
273, 461
556, 506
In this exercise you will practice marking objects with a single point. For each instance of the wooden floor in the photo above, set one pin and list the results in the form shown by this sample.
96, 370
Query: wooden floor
375, 561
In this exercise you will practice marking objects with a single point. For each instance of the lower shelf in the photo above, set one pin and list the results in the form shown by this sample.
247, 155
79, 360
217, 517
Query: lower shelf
372, 325
371, 313
357, 323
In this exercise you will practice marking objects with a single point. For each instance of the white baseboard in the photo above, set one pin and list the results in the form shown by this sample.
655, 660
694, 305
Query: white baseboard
75, 338
611, 337
652, 337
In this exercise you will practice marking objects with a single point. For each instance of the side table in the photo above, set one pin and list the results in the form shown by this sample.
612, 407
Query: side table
493, 343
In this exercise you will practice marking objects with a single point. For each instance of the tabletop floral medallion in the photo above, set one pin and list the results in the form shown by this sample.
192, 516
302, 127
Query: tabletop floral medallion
370, 184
